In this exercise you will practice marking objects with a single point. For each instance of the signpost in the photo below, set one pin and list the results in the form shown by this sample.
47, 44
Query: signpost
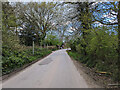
47, 46
33, 45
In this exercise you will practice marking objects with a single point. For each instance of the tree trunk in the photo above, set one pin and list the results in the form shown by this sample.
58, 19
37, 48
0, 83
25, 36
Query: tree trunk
86, 27
118, 17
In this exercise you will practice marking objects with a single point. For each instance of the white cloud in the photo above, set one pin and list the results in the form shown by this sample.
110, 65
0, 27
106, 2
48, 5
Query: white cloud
98, 23
113, 21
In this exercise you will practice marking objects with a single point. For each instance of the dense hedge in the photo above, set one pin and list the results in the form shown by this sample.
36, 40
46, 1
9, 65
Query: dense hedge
13, 59
111, 70
101, 51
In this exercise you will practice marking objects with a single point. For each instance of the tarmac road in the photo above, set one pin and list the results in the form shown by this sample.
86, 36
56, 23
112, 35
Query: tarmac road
54, 71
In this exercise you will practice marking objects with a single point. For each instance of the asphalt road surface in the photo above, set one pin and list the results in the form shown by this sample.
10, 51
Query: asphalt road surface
54, 71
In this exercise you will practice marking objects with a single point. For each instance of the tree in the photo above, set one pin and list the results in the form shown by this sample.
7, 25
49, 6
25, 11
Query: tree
52, 40
111, 13
100, 51
9, 37
81, 13
39, 16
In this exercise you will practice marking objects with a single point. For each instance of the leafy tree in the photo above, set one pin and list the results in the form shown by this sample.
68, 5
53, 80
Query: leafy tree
52, 40
40, 16
9, 37
97, 46
84, 17
111, 12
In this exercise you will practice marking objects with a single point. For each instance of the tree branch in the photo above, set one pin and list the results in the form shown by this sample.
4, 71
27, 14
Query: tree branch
106, 23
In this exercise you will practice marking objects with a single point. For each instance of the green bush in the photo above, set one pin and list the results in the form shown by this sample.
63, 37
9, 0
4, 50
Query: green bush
101, 50
75, 55
11, 60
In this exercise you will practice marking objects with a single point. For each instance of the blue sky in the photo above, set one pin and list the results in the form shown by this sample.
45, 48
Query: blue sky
29, 0
57, 0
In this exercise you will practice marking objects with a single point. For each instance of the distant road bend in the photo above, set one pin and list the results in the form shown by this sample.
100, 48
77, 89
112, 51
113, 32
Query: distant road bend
54, 71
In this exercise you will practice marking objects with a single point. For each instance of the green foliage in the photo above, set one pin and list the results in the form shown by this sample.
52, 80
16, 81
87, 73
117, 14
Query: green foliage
16, 59
9, 37
52, 40
10, 40
75, 55
73, 44
14, 52
37, 20
101, 50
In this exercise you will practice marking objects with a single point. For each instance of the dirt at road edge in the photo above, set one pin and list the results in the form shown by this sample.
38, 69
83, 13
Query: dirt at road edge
84, 71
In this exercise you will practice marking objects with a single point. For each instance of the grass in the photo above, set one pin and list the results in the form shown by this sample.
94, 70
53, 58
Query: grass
98, 66
75, 55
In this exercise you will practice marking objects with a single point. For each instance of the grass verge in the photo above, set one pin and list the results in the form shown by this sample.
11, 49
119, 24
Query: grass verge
104, 79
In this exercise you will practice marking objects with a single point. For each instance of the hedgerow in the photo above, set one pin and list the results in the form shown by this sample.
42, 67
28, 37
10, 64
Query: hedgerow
13, 59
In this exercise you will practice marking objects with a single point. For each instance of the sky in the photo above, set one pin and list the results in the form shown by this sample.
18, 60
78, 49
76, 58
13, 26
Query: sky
55, 0
70, 29
28, 0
